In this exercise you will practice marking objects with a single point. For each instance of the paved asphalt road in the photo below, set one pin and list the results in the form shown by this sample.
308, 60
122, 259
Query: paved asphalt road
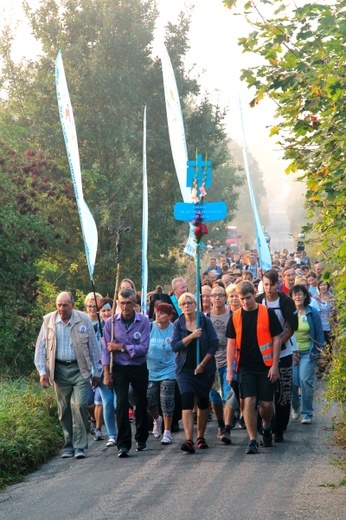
291, 480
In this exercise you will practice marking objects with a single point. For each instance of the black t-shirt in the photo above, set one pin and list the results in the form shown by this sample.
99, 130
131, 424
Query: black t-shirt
250, 355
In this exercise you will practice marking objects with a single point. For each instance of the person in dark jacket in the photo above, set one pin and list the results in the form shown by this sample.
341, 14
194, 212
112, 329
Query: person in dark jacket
286, 311
195, 342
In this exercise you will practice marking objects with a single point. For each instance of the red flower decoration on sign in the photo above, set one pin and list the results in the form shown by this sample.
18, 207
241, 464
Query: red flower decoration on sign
200, 230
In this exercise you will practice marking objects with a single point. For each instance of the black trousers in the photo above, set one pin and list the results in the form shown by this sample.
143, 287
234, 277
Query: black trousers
282, 398
283, 395
137, 376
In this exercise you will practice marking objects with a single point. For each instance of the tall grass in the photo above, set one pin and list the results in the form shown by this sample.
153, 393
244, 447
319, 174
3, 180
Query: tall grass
30, 433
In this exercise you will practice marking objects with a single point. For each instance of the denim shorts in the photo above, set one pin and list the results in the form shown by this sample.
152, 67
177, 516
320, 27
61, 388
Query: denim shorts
94, 396
214, 395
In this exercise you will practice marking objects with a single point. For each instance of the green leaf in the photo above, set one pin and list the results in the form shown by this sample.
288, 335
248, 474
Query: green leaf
274, 131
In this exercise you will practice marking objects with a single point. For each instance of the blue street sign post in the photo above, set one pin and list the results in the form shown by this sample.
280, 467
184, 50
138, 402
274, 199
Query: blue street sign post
197, 212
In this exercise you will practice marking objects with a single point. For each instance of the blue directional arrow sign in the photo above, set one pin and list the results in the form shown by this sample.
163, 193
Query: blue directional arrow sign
209, 211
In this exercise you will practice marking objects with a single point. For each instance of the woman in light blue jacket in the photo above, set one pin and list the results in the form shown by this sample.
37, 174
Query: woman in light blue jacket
310, 342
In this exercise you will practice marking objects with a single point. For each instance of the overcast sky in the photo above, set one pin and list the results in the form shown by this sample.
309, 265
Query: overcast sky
217, 60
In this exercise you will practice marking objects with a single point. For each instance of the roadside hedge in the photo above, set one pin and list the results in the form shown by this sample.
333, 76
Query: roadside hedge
30, 433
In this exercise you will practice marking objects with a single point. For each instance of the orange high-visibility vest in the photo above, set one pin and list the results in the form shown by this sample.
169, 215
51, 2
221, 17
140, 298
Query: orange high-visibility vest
264, 338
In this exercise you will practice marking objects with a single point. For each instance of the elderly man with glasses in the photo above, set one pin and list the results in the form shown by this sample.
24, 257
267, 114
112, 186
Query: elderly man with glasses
126, 339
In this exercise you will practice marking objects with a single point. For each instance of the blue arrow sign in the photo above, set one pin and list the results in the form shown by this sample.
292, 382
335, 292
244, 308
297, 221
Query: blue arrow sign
209, 211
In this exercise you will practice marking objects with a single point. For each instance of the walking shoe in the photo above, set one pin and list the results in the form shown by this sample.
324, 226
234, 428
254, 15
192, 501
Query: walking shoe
111, 441
252, 447
201, 443
141, 446
67, 454
92, 426
306, 420
79, 454
226, 437
188, 446
166, 439
295, 415
123, 453
220, 432
241, 423
98, 435
278, 437
267, 438
157, 429
236, 416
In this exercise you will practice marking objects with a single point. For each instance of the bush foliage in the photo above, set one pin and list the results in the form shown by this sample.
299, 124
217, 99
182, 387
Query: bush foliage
30, 432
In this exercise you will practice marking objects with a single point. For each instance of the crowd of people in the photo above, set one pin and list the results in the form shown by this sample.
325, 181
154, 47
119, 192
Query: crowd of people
250, 355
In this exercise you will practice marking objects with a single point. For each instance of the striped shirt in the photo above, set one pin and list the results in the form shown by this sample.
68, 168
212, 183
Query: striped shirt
64, 348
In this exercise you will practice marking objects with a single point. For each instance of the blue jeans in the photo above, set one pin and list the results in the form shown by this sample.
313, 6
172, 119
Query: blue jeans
214, 395
109, 402
303, 378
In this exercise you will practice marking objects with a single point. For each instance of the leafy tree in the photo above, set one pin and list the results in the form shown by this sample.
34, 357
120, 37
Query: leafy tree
112, 74
303, 71
28, 230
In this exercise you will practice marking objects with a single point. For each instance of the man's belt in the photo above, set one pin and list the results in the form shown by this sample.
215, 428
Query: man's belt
65, 362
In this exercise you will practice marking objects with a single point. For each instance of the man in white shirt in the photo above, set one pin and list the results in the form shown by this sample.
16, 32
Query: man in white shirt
66, 353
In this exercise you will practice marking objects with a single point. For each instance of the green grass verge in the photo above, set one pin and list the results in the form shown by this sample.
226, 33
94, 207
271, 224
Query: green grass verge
340, 438
30, 433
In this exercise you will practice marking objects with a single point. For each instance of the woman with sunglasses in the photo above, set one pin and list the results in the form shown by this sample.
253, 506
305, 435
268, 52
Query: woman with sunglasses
194, 379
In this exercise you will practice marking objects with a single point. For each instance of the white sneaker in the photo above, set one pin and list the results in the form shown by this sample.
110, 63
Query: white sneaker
166, 439
295, 415
157, 429
306, 420
111, 441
